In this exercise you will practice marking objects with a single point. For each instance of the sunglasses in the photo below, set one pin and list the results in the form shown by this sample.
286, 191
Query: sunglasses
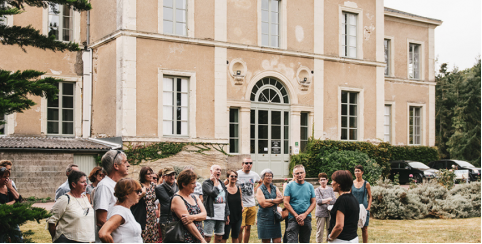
233, 176
248, 163
139, 192
118, 152
155, 178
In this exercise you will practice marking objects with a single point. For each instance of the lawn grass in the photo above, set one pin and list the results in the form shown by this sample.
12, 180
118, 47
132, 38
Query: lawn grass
379, 231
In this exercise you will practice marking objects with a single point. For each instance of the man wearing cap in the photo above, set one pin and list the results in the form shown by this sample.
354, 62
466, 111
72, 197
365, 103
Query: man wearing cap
165, 191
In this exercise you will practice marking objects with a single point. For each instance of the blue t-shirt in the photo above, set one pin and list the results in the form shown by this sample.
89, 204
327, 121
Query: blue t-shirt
300, 196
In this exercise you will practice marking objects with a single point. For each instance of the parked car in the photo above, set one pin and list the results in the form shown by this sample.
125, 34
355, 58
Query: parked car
405, 168
474, 172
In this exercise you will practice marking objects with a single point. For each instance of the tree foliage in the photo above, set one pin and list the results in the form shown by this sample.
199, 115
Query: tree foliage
18, 214
458, 113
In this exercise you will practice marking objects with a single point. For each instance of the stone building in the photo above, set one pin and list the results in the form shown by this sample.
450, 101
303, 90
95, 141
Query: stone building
255, 77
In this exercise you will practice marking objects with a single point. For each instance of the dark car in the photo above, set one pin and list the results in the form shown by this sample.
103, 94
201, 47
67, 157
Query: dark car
474, 172
405, 168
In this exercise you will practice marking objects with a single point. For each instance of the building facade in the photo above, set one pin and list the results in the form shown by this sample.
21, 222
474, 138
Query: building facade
257, 76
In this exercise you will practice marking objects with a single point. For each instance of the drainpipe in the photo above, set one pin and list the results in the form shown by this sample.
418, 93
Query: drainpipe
87, 87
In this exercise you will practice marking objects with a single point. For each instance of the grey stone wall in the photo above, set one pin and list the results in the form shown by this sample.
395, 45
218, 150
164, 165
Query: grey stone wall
38, 174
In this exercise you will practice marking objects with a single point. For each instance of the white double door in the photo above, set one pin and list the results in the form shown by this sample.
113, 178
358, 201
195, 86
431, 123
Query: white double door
269, 138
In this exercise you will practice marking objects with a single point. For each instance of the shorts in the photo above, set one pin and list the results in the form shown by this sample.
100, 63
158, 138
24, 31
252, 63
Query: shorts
249, 216
211, 225
234, 228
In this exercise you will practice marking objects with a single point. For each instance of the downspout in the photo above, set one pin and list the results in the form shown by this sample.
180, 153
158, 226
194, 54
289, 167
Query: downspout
87, 88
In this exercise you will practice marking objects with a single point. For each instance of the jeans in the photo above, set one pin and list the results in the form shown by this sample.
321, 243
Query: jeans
295, 232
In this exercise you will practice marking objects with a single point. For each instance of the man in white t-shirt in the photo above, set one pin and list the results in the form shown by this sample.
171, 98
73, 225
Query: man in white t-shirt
247, 180
117, 167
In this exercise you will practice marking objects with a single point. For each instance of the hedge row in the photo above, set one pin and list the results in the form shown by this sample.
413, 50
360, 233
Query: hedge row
318, 150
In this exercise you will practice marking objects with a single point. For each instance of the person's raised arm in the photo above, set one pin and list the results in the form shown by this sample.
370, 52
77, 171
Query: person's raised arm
179, 208
369, 192
12, 189
209, 189
105, 233
262, 200
338, 228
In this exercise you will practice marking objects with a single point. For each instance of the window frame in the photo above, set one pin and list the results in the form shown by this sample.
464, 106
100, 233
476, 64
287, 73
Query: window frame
411, 137
359, 30
61, 28
389, 116
238, 138
348, 116
421, 56
174, 21
304, 141
5, 129
387, 55
270, 34
60, 108
175, 106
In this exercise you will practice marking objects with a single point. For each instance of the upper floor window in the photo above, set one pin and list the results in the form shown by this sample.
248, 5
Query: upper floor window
349, 34
414, 61
386, 44
175, 106
60, 22
270, 23
175, 17
349, 115
415, 126
60, 112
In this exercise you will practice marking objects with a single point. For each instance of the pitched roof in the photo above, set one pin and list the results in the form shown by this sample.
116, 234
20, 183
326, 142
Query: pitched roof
434, 21
51, 143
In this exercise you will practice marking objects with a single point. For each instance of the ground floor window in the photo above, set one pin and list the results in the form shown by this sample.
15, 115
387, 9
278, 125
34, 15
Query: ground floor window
387, 123
234, 130
303, 131
414, 126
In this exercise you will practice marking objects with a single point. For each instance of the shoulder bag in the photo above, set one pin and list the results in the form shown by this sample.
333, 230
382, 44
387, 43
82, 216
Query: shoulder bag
172, 231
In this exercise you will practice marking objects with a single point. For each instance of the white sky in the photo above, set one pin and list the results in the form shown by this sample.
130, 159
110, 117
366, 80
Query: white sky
457, 40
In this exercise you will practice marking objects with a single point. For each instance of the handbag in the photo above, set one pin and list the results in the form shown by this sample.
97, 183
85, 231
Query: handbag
172, 231
277, 215
362, 216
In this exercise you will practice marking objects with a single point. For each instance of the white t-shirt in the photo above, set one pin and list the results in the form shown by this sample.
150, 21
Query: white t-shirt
104, 199
219, 205
130, 231
246, 182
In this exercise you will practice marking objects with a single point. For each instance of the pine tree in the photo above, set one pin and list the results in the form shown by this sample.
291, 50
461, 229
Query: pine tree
16, 86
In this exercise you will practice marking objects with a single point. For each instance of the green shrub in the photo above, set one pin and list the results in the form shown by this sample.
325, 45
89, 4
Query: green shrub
18, 214
415, 153
347, 160
306, 160
446, 178
425, 200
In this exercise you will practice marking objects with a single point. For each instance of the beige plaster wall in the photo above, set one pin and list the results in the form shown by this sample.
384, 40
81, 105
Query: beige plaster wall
147, 15
401, 94
154, 55
242, 22
104, 90
104, 12
353, 76
260, 62
204, 19
332, 27
29, 122
402, 32
31, 16
300, 18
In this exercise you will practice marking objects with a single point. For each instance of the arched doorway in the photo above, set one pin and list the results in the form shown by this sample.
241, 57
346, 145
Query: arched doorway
269, 126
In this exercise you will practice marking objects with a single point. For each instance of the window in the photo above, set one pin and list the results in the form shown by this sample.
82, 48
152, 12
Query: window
60, 112
415, 134
387, 124
233, 130
386, 44
175, 106
60, 22
414, 61
3, 119
270, 23
349, 34
349, 113
174, 17
304, 132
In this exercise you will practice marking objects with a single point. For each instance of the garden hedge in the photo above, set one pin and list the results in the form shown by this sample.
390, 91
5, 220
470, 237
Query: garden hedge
318, 150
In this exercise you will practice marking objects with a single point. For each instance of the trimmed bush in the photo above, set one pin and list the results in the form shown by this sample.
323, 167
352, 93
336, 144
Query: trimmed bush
416, 153
347, 160
425, 200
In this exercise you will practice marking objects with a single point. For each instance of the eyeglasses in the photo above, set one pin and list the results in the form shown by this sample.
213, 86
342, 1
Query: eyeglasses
154, 178
171, 175
322, 179
233, 176
299, 173
248, 163
139, 192
268, 176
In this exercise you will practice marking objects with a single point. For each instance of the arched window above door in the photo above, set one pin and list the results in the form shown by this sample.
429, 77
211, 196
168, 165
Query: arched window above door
269, 90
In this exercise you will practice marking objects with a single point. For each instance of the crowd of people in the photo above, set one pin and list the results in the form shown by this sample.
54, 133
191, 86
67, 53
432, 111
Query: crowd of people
166, 207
